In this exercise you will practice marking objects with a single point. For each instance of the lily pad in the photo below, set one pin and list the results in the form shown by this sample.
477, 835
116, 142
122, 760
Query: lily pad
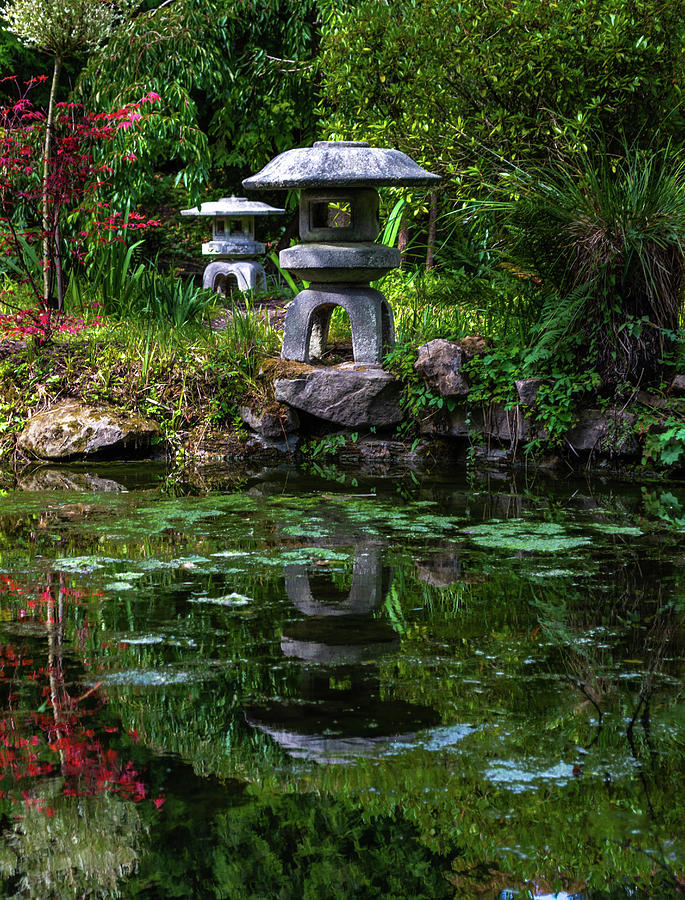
232, 599
608, 528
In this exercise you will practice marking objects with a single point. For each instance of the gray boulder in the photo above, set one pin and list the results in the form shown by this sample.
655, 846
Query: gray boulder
527, 390
439, 363
506, 424
607, 432
677, 385
72, 430
458, 423
356, 398
493, 422
276, 422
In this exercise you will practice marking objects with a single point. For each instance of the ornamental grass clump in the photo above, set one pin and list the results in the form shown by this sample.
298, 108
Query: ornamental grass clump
606, 237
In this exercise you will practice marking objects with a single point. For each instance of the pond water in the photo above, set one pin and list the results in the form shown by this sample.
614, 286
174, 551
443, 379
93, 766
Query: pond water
289, 685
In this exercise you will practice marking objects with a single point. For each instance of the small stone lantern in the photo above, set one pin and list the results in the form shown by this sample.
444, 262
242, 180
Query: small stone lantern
233, 245
338, 227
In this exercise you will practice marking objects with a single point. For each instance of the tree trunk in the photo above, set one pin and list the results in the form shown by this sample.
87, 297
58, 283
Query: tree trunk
432, 216
58, 269
402, 241
49, 124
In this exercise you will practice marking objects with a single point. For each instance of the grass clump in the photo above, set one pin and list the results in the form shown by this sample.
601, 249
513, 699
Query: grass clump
606, 238
189, 379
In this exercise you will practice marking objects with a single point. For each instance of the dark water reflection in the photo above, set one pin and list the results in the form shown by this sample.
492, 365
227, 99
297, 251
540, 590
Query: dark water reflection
339, 712
286, 686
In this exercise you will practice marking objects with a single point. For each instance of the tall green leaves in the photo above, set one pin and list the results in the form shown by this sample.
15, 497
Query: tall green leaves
391, 231
607, 238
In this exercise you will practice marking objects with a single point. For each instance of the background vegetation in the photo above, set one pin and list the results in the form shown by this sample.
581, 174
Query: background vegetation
558, 232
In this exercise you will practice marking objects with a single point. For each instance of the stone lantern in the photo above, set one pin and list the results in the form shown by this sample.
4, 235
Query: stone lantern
233, 244
339, 183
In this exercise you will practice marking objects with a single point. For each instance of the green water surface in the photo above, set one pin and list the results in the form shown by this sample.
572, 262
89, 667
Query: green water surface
280, 685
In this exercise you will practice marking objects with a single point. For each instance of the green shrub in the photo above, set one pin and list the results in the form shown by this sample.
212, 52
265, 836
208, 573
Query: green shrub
606, 237
167, 300
124, 288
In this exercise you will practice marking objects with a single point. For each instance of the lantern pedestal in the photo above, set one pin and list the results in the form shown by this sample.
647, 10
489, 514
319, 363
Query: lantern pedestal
244, 275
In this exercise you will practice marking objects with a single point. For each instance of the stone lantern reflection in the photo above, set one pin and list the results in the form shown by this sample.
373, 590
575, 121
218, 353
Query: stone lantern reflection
339, 712
233, 245
339, 224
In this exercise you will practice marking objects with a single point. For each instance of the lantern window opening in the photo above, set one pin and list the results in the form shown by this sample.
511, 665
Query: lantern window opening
220, 226
331, 214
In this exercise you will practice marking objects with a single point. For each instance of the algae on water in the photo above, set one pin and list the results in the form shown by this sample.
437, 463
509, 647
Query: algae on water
525, 535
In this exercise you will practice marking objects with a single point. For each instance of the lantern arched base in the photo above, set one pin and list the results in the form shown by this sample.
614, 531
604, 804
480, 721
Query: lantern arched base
308, 318
365, 594
242, 275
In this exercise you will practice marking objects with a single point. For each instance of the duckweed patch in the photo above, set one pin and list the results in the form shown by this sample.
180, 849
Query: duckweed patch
527, 536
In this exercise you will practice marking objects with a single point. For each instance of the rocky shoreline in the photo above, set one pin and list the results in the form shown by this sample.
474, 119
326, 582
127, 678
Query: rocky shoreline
351, 414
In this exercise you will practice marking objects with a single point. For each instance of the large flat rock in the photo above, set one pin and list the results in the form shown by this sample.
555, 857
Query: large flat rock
73, 430
356, 398
608, 432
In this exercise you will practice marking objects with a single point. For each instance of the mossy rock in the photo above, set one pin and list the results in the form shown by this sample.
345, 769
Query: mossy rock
71, 430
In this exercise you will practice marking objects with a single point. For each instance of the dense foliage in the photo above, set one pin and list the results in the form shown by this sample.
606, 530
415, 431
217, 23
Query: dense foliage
237, 83
460, 86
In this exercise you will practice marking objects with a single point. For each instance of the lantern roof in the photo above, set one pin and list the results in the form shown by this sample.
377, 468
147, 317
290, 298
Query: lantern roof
351, 164
233, 206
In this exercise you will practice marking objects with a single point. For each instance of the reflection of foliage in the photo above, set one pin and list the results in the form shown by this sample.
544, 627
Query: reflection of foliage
85, 848
299, 847
324, 849
564, 829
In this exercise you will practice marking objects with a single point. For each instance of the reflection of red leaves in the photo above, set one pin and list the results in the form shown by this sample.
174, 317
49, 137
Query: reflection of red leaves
35, 744
58, 738
90, 769
34, 601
